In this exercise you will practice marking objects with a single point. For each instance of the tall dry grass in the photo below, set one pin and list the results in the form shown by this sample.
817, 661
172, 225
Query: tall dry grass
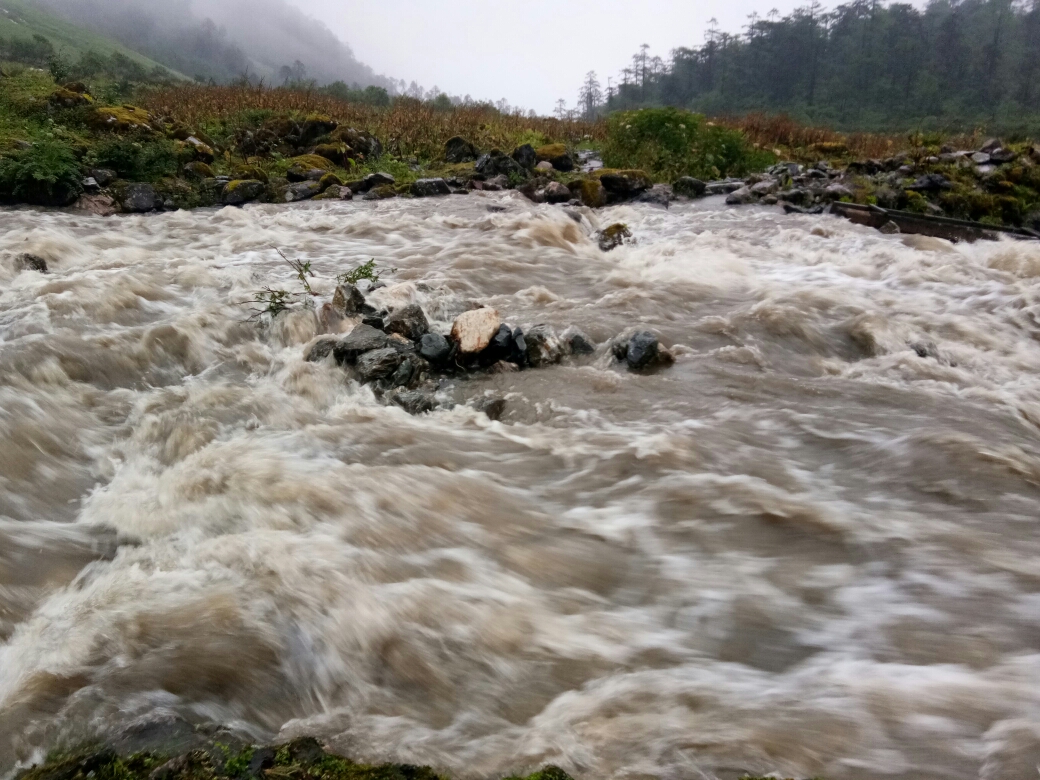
408, 127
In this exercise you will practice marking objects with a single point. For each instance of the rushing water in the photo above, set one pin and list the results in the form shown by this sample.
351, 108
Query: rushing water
809, 547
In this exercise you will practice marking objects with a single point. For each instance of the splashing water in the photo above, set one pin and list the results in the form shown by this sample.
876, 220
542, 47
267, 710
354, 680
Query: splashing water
808, 547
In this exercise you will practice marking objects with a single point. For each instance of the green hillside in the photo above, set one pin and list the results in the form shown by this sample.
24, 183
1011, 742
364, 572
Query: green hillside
21, 20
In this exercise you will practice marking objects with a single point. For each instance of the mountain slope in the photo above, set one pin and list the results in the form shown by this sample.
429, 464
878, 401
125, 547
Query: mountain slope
21, 20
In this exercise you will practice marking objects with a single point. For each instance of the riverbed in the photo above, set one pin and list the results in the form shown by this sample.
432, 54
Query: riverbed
809, 546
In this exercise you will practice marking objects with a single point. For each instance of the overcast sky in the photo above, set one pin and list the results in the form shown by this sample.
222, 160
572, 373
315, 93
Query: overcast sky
529, 52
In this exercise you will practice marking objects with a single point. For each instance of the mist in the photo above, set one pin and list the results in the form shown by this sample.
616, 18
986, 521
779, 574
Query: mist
223, 40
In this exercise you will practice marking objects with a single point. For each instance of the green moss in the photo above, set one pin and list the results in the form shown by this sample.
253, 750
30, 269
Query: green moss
121, 119
312, 161
550, 152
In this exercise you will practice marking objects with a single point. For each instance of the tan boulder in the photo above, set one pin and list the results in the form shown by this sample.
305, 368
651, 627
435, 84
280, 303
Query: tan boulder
473, 330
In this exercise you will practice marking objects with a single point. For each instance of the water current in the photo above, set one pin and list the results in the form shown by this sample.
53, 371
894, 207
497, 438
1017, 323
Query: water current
809, 547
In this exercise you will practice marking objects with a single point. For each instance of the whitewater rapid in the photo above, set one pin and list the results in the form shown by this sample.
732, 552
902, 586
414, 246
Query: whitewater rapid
809, 547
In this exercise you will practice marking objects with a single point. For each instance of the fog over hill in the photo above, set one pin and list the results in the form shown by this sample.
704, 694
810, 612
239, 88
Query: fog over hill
223, 39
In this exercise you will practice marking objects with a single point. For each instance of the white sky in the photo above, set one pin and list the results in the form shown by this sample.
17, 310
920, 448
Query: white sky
532, 52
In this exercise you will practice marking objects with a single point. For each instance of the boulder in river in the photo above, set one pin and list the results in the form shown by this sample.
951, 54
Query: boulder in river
378, 363
139, 198
425, 188
590, 192
740, 197
459, 150
348, 300
363, 338
304, 190
414, 401
373, 180
544, 347
29, 262
613, 236
555, 192
240, 191
474, 329
557, 156
435, 348
622, 185
689, 187
578, 342
408, 321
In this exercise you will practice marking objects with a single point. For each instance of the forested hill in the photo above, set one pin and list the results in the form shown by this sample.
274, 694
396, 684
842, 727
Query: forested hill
865, 65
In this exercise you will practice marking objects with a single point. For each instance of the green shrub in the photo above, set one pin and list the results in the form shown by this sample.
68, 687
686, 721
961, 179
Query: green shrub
138, 160
668, 143
46, 174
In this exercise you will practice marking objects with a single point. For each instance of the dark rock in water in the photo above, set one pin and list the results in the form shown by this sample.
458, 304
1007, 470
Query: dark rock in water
613, 236
578, 342
402, 344
321, 349
304, 190
624, 185
378, 363
790, 208
740, 197
139, 198
237, 193
414, 401
525, 156
658, 195
501, 347
689, 187
407, 372
103, 176
890, 228
426, 188
382, 192
491, 405
376, 180
931, 182
435, 348
459, 150
409, 321
555, 192
28, 262
495, 163
543, 346
305, 750
364, 338
519, 354
925, 349
349, 300
642, 350
374, 321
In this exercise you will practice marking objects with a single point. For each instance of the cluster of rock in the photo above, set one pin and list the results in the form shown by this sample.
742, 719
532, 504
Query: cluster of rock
405, 361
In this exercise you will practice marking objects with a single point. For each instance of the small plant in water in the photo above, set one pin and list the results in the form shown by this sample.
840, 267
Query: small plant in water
302, 269
364, 271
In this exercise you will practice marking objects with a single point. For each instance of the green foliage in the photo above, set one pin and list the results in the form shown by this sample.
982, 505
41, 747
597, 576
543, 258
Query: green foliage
237, 764
137, 159
58, 65
369, 96
47, 174
668, 143
364, 271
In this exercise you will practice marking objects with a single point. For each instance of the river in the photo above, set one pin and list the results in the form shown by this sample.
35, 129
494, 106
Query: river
810, 546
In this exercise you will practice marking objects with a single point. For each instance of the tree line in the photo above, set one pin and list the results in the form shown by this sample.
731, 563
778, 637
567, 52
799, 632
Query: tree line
865, 65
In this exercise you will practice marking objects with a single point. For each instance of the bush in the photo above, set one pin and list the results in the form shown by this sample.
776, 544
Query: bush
46, 174
137, 160
668, 143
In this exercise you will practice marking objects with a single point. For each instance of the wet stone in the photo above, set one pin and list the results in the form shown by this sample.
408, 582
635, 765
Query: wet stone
28, 262
434, 348
363, 338
349, 300
642, 350
409, 321
414, 401
378, 364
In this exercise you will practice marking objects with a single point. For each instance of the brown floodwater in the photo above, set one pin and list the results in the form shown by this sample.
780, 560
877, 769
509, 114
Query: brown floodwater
809, 547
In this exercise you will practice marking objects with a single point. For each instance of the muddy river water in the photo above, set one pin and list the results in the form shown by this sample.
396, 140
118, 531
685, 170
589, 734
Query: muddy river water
810, 546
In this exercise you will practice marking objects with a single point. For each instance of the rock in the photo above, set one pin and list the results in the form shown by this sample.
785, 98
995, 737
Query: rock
414, 401
90, 184
642, 350
980, 158
525, 156
139, 198
314, 127
202, 151
740, 197
689, 187
519, 355
329, 180
658, 195
408, 373
765, 187
888, 198
67, 98
196, 170
622, 185
348, 300
364, 338
1003, 156
238, 192
931, 182
304, 190
555, 192
251, 172
408, 321
544, 347
722, 187
121, 119
557, 156
337, 154
544, 166
378, 363
434, 348
474, 329
382, 192
613, 236
493, 406
262, 758
99, 205
590, 192
836, 192
103, 176
889, 228
320, 349
503, 367
28, 262
578, 342
495, 163
425, 188
500, 182
459, 150
991, 145
308, 167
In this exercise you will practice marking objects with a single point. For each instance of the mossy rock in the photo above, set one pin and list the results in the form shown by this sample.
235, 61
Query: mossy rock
281, 127
382, 192
335, 153
120, 119
251, 172
623, 184
549, 151
328, 180
199, 170
242, 191
590, 192
67, 98
312, 162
